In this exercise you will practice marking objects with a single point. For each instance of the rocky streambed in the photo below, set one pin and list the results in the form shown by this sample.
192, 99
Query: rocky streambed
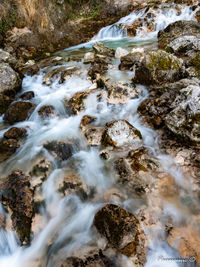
99, 147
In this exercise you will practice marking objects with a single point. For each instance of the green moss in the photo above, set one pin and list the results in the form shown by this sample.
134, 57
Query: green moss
163, 61
196, 61
6, 23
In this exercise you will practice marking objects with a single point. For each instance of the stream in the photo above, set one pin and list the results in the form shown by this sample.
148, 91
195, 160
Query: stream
65, 225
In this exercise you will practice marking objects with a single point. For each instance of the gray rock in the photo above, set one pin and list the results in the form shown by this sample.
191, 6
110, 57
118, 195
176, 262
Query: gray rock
101, 49
159, 67
120, 52
89, 58
183, 44
177, 29
9, 79
184, 119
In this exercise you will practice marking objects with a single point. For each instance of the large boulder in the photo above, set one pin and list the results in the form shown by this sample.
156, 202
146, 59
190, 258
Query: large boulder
183, 44
119, 227
120, 133
17, 195
159, 67
184, 119
177, 29
19, 111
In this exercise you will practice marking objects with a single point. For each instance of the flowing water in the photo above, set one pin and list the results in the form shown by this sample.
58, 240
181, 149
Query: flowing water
67, 222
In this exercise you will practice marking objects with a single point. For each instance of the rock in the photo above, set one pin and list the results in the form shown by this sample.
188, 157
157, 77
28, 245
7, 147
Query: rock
183, 44
159, 67
5, 102
195, 61
53, 74
7, 148
96, 69
120, 52
119, 227
177, 29
27, 95
68, 72
135, 171
120, 92
76, 104
15, 133
91, 258
186, 241
30, 69
59, 150
7, 58
19, 111
88, 58
46, 111
9, 79
93, 134
119, 133
101, 49
132, 29
184, 119
17, 195
128, 61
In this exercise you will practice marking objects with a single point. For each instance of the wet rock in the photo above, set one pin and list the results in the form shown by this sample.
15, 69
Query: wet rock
5, 102
46, 111
92, 133
9, 79
184, 119
186, 241
159, 67
15, 193
76, 104
120, 92
119, 227
15, 133
177, 29
97, 69
27, 95
68, 72
30, 69
195, 61
89, 58
135, 171
132, 29
155, 109
120, 133
19, 111
53, 74
59, 150
93, 258
183, 44
7, 148
101, 49
128, 61
120, 52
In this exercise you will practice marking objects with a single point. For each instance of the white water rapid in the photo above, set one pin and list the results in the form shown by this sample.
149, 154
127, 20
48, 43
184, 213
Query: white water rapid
65, 224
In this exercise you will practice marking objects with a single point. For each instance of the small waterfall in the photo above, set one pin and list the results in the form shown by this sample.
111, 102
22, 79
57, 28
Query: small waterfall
160, 18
